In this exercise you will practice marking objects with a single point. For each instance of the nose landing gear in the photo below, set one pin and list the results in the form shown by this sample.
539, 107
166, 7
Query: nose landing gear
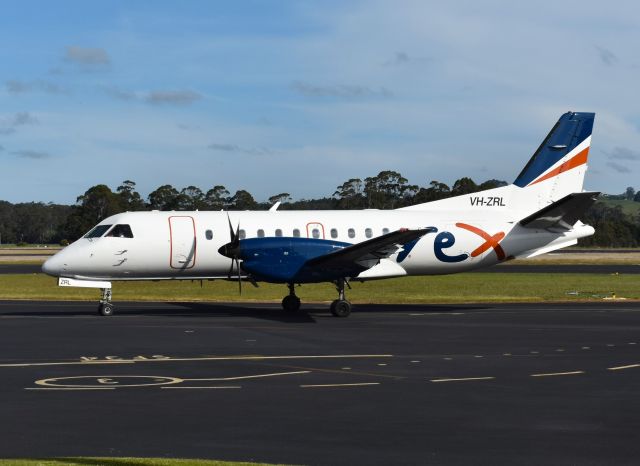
105, 308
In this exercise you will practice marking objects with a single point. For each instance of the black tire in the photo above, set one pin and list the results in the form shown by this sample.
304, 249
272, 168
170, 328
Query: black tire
341, 308
105, 309
291, 303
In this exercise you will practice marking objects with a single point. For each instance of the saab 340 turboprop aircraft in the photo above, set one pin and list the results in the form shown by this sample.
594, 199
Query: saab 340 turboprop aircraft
538, 213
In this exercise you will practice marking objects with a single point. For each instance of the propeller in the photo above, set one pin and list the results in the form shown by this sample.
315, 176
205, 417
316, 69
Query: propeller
232, 251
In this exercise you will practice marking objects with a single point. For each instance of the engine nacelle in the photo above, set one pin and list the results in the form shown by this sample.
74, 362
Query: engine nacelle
281, 260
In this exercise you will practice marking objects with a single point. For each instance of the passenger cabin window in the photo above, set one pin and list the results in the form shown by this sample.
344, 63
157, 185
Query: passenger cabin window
315, 233
334, 233
97, 231
368, 232
120, 231
296, 233
260, 233
278, 232
385, 231
208, 234
242, 234
351, 233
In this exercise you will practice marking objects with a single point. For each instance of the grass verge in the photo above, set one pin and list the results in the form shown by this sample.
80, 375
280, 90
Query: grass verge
119, 462
460, 288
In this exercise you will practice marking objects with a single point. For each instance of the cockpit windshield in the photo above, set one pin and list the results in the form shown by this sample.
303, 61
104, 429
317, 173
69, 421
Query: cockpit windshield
120, 231
97, 231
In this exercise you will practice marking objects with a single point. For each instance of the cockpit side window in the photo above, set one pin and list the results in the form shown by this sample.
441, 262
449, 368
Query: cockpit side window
97, 231
120, 231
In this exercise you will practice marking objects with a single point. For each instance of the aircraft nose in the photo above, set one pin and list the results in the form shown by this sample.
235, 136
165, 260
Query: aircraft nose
53, 266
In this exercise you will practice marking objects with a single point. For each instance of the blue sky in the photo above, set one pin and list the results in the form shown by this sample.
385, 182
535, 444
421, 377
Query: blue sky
300, 96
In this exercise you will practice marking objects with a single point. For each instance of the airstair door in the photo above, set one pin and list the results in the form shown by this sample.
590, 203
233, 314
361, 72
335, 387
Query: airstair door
182, 231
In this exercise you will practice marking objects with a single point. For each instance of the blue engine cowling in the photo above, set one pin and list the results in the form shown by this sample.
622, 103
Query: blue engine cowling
282, 260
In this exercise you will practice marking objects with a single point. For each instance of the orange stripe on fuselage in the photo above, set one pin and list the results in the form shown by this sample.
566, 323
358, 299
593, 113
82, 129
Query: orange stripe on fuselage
575, 161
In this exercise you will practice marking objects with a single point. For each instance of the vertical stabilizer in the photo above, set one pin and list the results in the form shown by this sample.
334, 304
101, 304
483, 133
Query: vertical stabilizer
558, 167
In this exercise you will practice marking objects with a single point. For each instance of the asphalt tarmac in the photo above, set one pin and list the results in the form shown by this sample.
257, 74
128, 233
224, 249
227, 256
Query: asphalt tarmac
501, 268
417, 384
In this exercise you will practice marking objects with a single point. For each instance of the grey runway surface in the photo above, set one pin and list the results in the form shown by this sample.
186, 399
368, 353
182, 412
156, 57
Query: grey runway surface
413, 384
503, 268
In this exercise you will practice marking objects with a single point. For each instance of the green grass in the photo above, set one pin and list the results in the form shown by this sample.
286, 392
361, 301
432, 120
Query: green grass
119, 462
628, 207
460, 288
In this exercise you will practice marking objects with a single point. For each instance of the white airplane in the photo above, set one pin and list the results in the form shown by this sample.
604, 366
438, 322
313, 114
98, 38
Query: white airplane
538, 213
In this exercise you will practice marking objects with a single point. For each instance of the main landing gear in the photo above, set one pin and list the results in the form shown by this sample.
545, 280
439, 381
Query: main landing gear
341, 307
291, 303
105, 308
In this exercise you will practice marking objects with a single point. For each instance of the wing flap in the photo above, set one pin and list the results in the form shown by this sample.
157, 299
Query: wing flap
368, 253
562, 214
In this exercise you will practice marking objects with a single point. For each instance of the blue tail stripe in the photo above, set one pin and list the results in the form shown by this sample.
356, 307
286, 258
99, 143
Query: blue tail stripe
571, 129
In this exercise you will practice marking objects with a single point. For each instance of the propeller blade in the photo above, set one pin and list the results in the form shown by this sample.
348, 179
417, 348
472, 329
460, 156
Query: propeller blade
231, 232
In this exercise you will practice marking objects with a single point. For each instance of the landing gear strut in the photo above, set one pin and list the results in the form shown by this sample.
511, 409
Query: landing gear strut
105, 308
291, 303
341, 307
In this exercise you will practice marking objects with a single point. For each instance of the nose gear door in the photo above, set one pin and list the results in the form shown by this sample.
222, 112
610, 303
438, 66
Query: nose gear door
182, 233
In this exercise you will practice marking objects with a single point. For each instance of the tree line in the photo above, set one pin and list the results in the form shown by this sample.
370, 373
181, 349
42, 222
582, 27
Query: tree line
40, 223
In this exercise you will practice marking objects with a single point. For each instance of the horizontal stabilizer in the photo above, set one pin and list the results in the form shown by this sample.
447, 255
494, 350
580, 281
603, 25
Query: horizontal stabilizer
562, 214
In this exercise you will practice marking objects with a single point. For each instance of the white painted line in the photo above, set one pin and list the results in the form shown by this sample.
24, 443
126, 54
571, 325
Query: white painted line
619, 368
381, 364
447, 359
416, 314
259, 376
552, 374
586, 347
478, 356
346, 368
201, 388
340, 385
632, 343
560, 350
205, 358
506, 354
610, 345
462, 379
534, 352
415, 361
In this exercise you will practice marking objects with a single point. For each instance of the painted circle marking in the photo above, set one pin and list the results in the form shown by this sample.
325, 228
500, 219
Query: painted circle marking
119, 381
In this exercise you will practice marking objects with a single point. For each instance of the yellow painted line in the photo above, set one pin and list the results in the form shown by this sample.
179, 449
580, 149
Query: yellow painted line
340, 385
462, 379
205, 358
552, 374
201, 388
275, 374
619, 368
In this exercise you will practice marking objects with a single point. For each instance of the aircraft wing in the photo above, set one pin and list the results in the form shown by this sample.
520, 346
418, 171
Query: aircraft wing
562, 214
368, 253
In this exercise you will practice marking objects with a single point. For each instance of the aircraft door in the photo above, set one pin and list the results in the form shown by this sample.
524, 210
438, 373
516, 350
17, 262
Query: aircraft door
182, 232
315, 230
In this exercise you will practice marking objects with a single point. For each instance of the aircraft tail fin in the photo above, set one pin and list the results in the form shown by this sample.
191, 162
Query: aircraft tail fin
558, 166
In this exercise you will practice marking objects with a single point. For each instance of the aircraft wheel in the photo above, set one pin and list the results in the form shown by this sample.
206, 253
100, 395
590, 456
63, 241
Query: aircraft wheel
291, 303
105, 309
341, 308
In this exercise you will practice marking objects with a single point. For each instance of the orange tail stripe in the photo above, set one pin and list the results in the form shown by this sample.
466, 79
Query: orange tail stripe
575, 161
